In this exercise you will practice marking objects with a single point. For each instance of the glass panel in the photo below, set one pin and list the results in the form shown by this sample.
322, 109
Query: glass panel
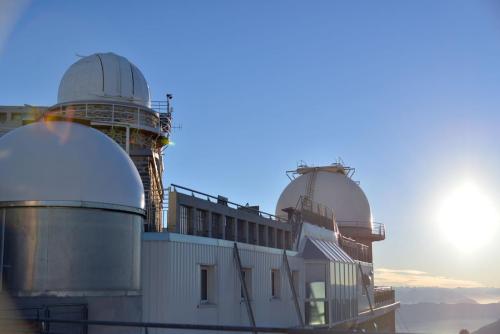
316, 313
315, 281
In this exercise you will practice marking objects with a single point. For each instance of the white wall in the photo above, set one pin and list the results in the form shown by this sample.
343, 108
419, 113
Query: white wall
171, 282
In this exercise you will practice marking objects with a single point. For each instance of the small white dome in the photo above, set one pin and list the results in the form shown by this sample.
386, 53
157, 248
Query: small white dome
64, 161
333, 189
104, 76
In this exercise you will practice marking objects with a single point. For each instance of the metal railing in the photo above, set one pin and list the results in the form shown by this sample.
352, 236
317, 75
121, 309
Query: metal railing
305, 203
378, 229
115, 113
384, 295
225, 201
164, 109
355, 250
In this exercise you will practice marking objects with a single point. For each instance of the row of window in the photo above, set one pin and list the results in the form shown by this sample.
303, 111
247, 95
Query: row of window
208, 287
14, 116
210, 224
342, 299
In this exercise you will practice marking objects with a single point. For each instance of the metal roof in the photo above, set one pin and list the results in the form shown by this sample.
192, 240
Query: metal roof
317, 248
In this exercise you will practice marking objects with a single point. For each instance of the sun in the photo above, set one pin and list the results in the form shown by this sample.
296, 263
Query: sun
467, 217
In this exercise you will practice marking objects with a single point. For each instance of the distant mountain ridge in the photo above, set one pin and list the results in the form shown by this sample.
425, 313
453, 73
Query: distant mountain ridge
493, 328
409, 295
446, 318
432, 311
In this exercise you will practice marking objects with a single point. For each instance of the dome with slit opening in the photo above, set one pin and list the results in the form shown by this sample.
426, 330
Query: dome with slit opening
104, 77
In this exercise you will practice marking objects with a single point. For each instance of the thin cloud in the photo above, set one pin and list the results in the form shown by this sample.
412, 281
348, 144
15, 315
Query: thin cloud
10, 11
416, 278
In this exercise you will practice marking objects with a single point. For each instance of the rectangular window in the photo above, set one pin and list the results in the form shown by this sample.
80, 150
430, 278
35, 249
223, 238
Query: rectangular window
242, 230
262, 235
201, 223
204, 285
316, 304
252, 234
207, 284
229, 228
3, 117
315, 281
279, 239
275, 283
216, 226
247, 278
185, 226
16, 116
270, 237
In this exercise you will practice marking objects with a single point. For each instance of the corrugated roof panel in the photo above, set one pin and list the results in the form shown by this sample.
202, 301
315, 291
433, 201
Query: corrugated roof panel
331, 250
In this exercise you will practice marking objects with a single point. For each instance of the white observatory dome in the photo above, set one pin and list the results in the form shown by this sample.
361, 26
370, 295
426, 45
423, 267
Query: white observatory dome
64, 161
333, 189
104, 76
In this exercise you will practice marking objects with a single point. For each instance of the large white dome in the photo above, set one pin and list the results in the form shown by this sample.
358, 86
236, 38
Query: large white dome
104, 76
64, 161
333, 189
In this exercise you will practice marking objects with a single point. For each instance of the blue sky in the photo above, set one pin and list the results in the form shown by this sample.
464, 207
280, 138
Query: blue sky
407, 92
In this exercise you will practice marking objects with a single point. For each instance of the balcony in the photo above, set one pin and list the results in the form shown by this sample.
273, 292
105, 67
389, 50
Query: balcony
355, 250
384, 295
157, 119
362, 230
164, 109
378, 231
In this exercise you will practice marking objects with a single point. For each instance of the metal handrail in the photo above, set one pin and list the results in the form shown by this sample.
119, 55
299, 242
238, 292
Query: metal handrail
317, 208
383, 295
376, 228
163, 123
218, 199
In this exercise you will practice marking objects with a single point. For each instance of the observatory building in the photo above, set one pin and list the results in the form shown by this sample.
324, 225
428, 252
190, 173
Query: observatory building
110, 94
88, 244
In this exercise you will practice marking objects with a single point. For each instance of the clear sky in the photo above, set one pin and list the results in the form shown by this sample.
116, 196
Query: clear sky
407, 92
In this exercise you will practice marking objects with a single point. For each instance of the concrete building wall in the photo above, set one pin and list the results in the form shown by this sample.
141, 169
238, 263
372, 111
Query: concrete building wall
171, 282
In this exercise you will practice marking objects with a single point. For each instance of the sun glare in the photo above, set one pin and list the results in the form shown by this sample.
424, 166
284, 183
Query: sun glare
467, 217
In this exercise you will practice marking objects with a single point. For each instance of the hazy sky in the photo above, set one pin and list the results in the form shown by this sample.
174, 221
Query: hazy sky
407, 92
